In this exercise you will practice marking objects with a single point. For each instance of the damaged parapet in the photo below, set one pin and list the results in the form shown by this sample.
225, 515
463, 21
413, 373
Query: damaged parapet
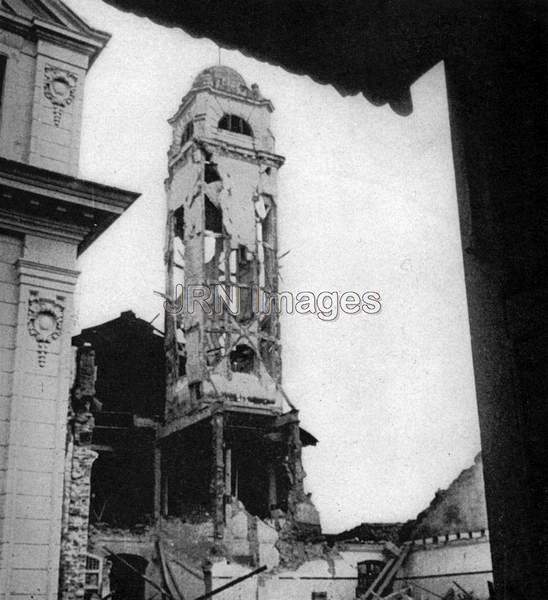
230, 433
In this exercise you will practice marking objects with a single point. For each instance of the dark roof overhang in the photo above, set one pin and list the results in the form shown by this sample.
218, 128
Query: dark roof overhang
376, 47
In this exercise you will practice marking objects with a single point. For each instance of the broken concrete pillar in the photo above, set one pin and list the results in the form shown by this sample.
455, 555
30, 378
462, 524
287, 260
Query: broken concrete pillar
77, 484
74, 543
295, 465
217, 487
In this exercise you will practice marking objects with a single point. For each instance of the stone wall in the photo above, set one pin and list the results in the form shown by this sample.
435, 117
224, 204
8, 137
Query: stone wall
35, 128
36, 315
55, 135
18, 96
10, 250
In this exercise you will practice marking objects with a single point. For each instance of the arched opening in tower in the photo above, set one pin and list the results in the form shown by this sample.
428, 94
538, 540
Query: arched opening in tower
242, 359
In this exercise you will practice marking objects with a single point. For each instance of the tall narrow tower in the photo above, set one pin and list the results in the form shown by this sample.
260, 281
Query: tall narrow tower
230, 432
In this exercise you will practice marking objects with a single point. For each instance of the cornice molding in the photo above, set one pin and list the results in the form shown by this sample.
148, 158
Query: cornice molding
258, 157
189, 96
48, 277
30, 267
95, 205
89, 42
250, 154
50, 228
64, 187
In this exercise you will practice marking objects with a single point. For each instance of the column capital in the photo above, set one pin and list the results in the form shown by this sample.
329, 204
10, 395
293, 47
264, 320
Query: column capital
45, 276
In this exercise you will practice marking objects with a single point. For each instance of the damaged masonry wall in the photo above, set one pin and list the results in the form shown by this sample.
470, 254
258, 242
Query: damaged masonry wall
78, 463
461, 507
222, 231
239, 258
222, 235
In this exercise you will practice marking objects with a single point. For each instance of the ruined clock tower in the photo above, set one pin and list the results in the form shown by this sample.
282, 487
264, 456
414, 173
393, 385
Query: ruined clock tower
230, 432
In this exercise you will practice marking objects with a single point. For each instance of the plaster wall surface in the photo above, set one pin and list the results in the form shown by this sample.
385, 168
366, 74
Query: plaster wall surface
337, 577
437, 566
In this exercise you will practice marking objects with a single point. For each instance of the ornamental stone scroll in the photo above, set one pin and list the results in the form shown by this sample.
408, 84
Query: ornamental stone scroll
44, 322
59, 89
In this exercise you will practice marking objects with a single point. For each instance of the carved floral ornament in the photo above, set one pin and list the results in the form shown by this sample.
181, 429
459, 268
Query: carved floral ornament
59, 89
45, 322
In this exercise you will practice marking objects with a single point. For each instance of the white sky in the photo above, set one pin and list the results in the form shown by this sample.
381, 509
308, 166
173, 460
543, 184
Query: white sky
367, 202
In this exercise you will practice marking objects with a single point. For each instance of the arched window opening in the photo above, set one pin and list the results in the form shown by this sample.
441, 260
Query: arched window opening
235, 124
187, 133
242, 359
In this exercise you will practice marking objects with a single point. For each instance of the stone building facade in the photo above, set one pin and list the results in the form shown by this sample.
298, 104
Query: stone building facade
47, 217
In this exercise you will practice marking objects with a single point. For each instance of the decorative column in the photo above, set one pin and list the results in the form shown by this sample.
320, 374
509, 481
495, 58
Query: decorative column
74, 540
37, 395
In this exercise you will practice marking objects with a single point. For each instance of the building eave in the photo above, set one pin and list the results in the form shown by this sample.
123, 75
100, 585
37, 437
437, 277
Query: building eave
89, 42
38, 193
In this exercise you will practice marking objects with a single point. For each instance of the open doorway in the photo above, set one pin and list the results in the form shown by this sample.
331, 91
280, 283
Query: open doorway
126, 582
